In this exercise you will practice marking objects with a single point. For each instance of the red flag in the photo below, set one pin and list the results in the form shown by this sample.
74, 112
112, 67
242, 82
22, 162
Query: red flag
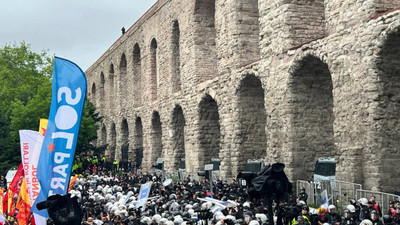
13, 189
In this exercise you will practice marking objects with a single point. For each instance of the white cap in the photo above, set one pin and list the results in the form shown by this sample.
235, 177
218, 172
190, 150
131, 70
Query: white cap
254, 222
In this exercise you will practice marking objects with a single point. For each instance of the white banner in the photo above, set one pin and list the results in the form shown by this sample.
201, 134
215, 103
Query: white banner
143, 194
31, 145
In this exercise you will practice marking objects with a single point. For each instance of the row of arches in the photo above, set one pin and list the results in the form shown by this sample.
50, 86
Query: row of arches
312, 109
109, 80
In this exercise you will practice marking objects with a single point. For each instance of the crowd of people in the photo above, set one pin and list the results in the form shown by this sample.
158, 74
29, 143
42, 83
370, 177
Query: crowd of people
109, 195
112, 198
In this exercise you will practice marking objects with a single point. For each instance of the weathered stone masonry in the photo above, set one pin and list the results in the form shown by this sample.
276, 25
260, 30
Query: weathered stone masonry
279, 80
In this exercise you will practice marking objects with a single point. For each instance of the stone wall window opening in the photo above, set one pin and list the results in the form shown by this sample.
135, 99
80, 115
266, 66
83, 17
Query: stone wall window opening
102, 99
209, 130
178, 136
312, 115
156, 137
138, 141
125, 140
123, 64
103, 136
137, 73
153, 69
94, 93
387, 114
252, 121
111, 71
113, 139
175, 57
111, 90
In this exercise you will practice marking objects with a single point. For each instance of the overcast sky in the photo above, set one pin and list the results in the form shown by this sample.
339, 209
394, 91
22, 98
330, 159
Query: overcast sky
78, 30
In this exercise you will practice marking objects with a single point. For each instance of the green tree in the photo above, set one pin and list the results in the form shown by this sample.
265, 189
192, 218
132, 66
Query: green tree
25, 97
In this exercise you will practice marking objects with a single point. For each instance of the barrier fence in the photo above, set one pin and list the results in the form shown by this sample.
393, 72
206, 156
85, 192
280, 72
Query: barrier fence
381, 197
338, 192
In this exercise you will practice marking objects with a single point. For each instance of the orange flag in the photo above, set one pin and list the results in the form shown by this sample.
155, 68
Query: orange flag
23, 204
72, 182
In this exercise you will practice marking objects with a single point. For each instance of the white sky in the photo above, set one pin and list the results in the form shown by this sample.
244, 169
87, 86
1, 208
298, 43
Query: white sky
78, 30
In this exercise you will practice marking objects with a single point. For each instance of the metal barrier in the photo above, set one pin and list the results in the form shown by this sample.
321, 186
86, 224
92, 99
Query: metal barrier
338, 192
381, 197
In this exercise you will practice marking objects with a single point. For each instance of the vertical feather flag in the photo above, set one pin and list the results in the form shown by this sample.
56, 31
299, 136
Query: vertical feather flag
58, 149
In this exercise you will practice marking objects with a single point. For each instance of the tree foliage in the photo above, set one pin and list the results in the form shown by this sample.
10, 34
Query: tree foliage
25, 97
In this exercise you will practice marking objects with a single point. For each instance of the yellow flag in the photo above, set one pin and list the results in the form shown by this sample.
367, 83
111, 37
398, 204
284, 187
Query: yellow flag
1, 200
9, 200
43, 126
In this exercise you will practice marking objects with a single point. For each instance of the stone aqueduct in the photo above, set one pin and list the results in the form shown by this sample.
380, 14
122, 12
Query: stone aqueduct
279, 80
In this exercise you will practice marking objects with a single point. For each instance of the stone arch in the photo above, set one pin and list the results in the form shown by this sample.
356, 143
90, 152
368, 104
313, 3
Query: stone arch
156, 137
113, 141
137, 73
111, 79
138, 141
122, 87
252, 121
205, 35
178, 136
209, 130
124, 139
312, 115
386, 117
102, 93
94, 99
103, 135
175, 57
123, 64
153, 69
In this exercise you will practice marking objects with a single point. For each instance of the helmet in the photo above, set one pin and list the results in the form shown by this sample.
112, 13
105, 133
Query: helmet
363, 201
351, 208
366, 222
331, 207
374, 212
305, 207
254, 222
302, 189
301, 203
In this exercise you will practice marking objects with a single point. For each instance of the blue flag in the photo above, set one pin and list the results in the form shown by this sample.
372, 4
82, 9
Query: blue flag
58, 149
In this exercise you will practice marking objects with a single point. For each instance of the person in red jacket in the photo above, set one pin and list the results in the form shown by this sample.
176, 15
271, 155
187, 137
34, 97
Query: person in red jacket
376, 205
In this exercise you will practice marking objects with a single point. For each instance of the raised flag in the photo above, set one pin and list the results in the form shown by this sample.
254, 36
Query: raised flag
1, 199
23, 205
8, 201
31, 144
43, 126
143, 194
325, 200
58, 149
72, 182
